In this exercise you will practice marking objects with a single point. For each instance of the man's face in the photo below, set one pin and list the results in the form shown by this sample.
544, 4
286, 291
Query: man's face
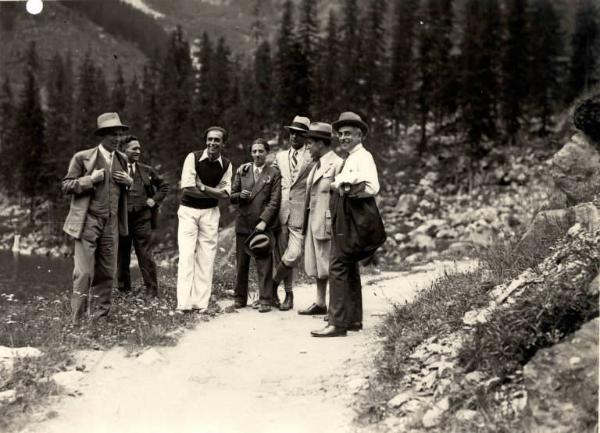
133, 150
214, 141
259, 154
111, 139
349, 137
297, 139
316, 148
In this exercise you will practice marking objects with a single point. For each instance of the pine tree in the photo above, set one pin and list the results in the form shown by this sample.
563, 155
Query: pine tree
480, 52
546, 69
7, 148
426, 71
150, 109
31, 170
204, 92
119, 93
285, 66
328, 97
372, 88
308, 38
402, 65
515, 67
351, 49
87, 106
59, 112
133, 114
584, 48
264, 107
220, 81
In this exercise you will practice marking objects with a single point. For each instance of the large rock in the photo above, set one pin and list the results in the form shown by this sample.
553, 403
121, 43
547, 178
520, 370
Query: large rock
575, 170
562, 385
407, 204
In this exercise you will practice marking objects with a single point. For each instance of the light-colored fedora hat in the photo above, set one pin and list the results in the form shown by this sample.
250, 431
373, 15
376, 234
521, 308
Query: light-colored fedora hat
108, 121
320, 130
349, 118
299, 124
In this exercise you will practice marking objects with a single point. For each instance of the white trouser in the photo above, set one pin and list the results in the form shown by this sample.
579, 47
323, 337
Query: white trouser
197, 238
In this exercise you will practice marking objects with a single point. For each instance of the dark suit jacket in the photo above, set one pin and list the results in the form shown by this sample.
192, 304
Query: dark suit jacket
156, 188
78, 183
264, 202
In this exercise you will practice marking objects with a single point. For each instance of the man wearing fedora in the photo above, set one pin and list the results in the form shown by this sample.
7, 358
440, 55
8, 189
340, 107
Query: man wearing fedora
294, 165
257, 192
97, 181
317, 224
357, 178
205, 179
143, 199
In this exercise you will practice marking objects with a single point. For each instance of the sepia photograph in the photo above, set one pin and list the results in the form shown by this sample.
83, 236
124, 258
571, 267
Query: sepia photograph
299, 216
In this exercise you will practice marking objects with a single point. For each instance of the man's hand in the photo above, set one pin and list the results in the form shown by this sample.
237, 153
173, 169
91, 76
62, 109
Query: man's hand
97, 175
150, 202
261, 226
245, 194
122, 178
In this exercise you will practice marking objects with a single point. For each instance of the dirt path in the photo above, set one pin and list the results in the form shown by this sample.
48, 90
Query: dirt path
241, 372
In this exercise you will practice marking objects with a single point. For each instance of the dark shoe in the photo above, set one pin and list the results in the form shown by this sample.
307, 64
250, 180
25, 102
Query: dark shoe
264, 308
314, 309
356, 326
329, 331
255, 305
276, 302
326, 318
239, 304
288, 302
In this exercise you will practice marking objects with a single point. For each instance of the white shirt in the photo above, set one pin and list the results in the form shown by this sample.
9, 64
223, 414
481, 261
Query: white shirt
188, 173
299, 156
359, 167
133, 168
257, 170
106, 154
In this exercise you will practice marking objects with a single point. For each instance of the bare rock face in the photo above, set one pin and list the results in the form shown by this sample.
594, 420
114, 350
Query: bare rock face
575, 170
562, 385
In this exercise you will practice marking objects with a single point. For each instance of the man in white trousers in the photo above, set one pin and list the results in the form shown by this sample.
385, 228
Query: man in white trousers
205, 179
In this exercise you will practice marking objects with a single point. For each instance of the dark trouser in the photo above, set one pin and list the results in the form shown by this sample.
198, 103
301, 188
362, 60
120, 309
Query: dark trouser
95, 261
140, 234
264, 269
345, 295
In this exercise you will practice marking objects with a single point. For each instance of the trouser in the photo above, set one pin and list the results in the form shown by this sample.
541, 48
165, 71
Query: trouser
141, 236
197, 237
264, 269
94, 267
288, 249
345, 295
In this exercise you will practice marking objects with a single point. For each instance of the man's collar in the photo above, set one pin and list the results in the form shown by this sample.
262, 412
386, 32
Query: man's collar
326, 155
355, 148
261, 167
205, 156
105, 150
299, 150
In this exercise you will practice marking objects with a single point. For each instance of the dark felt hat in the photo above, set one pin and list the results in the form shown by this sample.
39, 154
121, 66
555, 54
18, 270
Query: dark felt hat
259, 244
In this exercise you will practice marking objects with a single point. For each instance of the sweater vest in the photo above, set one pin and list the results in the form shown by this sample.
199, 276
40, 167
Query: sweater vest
105, 200
210, 173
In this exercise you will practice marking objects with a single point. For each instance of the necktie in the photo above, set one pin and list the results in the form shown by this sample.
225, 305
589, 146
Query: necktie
130, 171
256, 173
294, 160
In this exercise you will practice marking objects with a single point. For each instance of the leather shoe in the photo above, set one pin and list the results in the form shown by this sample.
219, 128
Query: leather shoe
275, 302
238, 304
288, 302
356, 326
256, 304
326, 318
314, 309
264, 308
329, 331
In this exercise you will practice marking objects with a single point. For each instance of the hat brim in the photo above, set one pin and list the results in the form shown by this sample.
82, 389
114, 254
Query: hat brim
317, 136
104, 130
349, 122
293, 128
254, 253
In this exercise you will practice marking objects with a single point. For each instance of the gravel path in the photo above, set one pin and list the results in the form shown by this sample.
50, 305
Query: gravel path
241, 372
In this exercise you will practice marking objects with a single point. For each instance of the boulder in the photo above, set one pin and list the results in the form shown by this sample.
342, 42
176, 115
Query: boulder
575, 170
562, 385
69, 380
19, 352
8, 396
407, 204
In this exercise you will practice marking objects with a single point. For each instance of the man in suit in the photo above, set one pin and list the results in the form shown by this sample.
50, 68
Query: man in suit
97, 181
143, 199
357, 179
317, 223
294, 165
205, 179
256, 190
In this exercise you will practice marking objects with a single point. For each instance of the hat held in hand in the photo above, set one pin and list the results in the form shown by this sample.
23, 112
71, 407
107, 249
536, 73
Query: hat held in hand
259, 244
